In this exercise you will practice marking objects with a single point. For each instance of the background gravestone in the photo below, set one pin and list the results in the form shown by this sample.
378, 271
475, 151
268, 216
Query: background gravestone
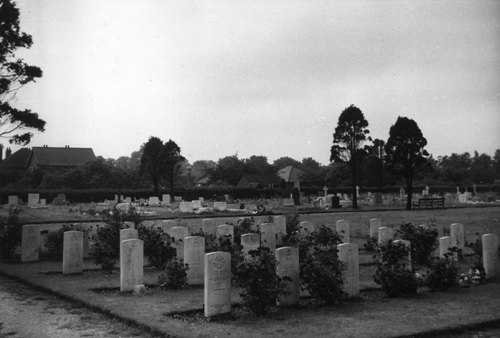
280, 227
249, 242
194, 253
375, 223
131, 264
217, 289
306, 228
343, 228
178, 235
209, 226
446, 243
385, 234
457, 230
30, 243
268, 236
73, 252
287, 260
225, 230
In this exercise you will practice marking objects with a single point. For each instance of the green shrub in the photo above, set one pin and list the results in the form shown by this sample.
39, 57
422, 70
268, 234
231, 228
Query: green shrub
392, 273
244, 226
11, 232
261, 285
226, 244
424, 240
175, 276
55, 240
371, 244
443, 271
157, 246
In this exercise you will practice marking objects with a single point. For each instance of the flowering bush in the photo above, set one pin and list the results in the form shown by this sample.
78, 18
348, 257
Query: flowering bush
443, 272
475, 275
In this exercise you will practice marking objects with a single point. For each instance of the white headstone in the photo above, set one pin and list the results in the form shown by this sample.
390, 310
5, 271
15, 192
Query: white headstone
33, 199
13, 200
220, 206
73, 252
165, 199
344, 230
306, 228
249, 242
186, 207
268, 236
446, 243
375, 223
126, 234
194, 253
490, 255
217, 289
196, 204
43, 201
30, 243
457, 230
287, 260
131, 264
349, 254
280, 226
209, 225
288, 202
225, 230
385, 234
178, 235
165, 225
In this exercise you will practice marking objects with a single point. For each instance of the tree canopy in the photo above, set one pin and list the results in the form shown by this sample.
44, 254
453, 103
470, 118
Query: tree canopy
14, 73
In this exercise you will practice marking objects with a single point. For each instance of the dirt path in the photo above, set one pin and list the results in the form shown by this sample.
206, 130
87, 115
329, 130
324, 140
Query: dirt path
25, 312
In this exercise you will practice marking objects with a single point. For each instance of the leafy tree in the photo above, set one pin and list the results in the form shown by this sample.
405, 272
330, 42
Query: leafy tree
14, 73
405, 151
257, 165
283, 162
171, 155
313, 171
482, 169
229, 170
375, 164
348, 139
152, 164
455, 168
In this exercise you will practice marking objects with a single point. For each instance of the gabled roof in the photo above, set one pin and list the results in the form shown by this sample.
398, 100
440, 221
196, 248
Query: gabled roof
18, 160
291, 174
61, 156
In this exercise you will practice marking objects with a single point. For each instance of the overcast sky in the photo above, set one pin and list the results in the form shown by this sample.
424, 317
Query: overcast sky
261, 77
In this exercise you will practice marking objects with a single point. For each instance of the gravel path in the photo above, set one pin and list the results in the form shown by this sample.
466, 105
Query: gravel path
25, 312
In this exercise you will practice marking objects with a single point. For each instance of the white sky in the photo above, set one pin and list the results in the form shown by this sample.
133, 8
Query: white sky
261, 77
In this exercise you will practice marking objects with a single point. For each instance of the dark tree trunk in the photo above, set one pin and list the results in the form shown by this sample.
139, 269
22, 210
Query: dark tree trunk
354, 197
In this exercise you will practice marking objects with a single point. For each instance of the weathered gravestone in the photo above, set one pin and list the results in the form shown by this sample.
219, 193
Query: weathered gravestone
165, 199
194, 253
446, 243
131, 264
288, 202
343, 228
280, 227
349, 254
186, 207
306, 228
165, 225
196, 204
268, 236
406, 261
73, 252
13, 200
287, 260
178, 235
177, 198
209, 225
457, 230
33, 199
30, 243
375, 223
220, 206
126, 234
249, 242
490, 254
43, 201
385, 234
225, 230
217, 289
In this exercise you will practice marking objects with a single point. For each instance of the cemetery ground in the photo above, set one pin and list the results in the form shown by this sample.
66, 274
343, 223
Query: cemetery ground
179, 312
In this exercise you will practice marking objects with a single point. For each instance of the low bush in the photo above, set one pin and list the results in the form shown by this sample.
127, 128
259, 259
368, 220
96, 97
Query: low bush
392, 273
424, 240
55, 240
11, 232
175, 276
261, 285
443, 271
158, 247
106, 246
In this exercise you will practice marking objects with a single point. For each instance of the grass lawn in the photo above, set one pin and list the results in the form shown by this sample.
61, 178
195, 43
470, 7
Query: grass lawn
370, 316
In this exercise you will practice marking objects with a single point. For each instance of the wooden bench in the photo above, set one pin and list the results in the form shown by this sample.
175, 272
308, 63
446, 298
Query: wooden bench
429, 203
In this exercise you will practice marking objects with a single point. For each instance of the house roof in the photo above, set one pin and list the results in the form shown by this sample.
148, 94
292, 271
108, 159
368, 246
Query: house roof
61, 156
291, 174
17, 160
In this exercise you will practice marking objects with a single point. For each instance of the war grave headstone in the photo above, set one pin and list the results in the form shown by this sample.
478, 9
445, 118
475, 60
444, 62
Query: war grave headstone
220, 206
178, 234
288, 202
194, 253
375, 223
202, 200
407, 261
165, 225
490, 254
126, 234
225, 230
462, 198
385, 234
209, 225
446, 243
13, 200
349, 254
249, 242
343, 228
43, 202
131, 264
30, 243
33, 199
196, 204
186, 207
165, 199
72, 252
287, 260
217, 280
268, 236
457, 230
280, 226
306, 228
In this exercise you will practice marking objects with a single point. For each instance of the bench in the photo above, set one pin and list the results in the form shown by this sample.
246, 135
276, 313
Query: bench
431, 202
